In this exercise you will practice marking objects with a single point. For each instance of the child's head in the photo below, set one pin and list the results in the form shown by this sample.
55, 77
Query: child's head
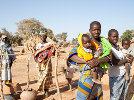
113, 36
126, 43
86, 41
95, 29
43, 37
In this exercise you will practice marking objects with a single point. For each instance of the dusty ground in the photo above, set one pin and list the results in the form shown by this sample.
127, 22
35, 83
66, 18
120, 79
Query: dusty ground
19, 71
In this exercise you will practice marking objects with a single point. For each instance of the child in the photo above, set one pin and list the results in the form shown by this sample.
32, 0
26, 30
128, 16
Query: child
69, 74
86, 50
127, 53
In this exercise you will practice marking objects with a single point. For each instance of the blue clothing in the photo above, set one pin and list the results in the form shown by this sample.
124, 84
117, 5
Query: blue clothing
118, 88
6, 60
86, 86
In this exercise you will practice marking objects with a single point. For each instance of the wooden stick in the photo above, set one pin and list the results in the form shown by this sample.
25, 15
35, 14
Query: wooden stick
1, 93
56, 77
28, 74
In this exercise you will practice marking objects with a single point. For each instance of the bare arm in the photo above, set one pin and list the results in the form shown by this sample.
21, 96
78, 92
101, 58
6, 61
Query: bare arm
92, 63
104, 59
117, 61
76, 59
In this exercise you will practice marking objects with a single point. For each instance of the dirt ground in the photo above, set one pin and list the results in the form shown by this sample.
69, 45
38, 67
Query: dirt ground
19, 72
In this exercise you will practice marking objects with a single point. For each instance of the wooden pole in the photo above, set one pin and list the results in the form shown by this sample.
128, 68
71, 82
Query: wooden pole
56, 76
28, 74
1, 93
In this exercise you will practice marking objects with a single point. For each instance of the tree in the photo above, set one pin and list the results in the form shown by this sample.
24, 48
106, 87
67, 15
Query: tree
28, 27
4, 31
64, 36
75, 41
61, 39
127, 34
16, 40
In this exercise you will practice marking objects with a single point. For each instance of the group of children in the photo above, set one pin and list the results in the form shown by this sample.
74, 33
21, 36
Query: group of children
88, 50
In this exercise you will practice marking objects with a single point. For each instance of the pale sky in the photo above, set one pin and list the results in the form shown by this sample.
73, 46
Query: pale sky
71, 16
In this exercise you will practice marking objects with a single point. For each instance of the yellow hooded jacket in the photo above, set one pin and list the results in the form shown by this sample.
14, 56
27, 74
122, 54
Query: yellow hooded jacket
85, 55
81, 52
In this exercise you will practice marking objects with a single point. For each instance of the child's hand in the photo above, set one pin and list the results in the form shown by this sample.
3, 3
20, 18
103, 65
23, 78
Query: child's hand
94, 62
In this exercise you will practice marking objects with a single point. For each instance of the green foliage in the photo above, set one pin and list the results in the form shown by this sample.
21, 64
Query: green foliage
61, 39
30, 27
16, 40
127, 34
62, 36
74, 41
13, 39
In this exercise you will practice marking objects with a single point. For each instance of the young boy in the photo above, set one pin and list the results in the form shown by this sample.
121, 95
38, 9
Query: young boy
88, 51
127, 53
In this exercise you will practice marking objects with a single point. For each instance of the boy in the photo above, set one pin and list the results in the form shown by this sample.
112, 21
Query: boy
127, 52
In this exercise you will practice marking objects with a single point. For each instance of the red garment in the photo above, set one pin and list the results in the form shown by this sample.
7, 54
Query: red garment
43, 55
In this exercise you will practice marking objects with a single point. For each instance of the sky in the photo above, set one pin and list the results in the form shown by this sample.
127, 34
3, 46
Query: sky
71, 16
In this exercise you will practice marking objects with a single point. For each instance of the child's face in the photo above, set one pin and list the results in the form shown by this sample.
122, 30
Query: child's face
86, 42
43, 38
95, 31
113, 38
126, 44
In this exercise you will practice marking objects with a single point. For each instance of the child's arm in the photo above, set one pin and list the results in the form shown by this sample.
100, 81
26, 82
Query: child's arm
104, 59
77, 59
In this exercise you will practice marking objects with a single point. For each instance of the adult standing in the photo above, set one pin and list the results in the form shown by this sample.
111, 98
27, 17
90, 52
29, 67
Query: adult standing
43, 53
7, 58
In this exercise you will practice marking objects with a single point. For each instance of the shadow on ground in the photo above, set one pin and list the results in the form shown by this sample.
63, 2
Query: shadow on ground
62, 89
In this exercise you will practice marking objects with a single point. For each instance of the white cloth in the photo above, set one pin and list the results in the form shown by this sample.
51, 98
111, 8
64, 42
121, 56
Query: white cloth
40, 45
130, 50
6, 60
117, 53
87, 50
115, 71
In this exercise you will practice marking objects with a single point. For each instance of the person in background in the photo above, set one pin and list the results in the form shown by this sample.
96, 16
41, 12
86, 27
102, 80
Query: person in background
7, 57
44, 51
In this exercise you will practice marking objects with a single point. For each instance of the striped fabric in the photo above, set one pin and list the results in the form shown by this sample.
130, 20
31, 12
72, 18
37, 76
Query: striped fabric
88, 90
86, 87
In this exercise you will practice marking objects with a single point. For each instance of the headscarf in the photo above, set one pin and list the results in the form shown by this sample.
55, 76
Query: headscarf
81, 52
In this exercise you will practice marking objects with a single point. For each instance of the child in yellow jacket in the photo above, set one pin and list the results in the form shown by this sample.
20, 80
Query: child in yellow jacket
87, 50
